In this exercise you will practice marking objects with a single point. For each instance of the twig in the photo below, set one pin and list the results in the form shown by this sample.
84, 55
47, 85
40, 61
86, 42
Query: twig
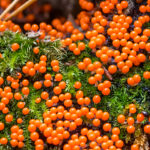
20, 9
8, 8
109, 76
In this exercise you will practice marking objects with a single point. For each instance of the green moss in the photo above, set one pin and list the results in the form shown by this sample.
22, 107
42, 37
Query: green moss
13, 61
121, 93
10, 64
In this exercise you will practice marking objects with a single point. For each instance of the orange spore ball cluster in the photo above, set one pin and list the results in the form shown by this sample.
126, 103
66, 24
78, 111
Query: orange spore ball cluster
132, 81
15, 47
146, 74
17, 137
132, 122
119, 43
85, 4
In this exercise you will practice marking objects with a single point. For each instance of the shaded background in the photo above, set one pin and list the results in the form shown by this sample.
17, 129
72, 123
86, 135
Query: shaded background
47, 10
43, 10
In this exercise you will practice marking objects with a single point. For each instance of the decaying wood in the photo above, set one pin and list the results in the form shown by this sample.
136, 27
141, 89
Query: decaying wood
33, 34
130, 8
142, 141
